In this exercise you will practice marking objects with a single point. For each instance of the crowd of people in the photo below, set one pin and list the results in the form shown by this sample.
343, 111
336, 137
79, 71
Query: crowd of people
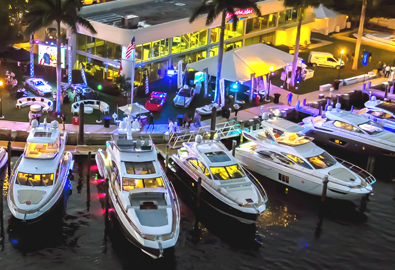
383, 70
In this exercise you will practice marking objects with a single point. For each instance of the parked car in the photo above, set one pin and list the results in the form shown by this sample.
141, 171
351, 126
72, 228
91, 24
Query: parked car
184, 97
156, 101
38, 86
84, 92
324, 59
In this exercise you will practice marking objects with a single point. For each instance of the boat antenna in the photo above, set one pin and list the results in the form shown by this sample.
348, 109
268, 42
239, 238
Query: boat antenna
45, 122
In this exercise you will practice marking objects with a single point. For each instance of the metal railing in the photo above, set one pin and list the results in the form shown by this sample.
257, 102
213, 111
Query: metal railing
225, 130
357, 170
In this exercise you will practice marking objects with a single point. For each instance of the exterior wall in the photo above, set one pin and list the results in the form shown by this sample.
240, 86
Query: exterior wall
287, 37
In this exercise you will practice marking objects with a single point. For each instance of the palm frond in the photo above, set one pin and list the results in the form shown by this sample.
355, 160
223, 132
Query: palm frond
86, 24
200, 10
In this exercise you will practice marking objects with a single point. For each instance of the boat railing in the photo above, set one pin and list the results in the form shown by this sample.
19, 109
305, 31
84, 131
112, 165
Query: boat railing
257, 184
357, 170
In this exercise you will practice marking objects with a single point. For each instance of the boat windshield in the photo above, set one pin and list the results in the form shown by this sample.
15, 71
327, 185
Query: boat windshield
140, 168
34, 180
42, 150
228, 172
370, 127
130, 183
292, 139
322, 161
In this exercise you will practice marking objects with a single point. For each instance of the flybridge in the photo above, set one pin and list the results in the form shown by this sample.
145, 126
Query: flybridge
240, 12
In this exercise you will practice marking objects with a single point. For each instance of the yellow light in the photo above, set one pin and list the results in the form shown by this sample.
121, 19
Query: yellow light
1, 83
271, 68
342, 51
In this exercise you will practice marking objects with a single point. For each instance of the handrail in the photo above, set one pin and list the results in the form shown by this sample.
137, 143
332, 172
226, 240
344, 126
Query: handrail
257, 184
369, 178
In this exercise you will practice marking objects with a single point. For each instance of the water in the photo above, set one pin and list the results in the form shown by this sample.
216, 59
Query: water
287, 236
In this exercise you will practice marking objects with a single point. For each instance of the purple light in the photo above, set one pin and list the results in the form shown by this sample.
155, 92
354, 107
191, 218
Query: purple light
36, 41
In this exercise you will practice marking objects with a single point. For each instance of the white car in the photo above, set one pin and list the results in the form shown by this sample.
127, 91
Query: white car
39, 86
324, 59
184, 97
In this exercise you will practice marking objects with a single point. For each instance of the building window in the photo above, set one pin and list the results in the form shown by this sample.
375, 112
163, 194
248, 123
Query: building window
229, 33
190, 57
227, 47
261, 23
152, 50
290, 16
283, 178
266, 38
189, 41
98, 47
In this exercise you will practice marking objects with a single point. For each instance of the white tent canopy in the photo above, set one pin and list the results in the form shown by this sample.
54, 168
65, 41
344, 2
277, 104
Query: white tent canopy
239, 64
328, 21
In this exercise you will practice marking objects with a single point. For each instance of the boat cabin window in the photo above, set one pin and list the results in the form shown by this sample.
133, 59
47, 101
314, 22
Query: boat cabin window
283, 159
130, 183
218, 156
264, 154
35, 180
322, 161
140, 168
371, 127
346, 126
228, 172
265, 135
299, 161
197, 164
42, 150
381, 115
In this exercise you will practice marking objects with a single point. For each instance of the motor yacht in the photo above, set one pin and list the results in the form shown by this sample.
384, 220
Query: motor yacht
40, 177
282, 153
351, 132
225, 185
382, 112
143, 199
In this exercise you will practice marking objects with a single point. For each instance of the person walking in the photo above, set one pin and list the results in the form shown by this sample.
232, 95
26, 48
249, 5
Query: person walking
197, 120
387, 71
189, 121
185, 120
289, 98
63, 118
151, 122
237, 108
170, 127
379, 67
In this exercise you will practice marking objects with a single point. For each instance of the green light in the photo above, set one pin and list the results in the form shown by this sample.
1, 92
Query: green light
99, 87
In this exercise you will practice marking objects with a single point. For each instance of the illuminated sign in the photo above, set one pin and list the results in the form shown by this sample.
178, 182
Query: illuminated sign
47, 55
365, 58
240, 12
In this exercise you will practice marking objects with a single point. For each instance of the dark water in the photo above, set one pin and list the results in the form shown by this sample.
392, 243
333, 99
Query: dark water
289, 235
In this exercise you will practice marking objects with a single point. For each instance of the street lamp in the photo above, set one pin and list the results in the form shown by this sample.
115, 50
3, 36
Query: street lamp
1, 99
271, 68
340, 64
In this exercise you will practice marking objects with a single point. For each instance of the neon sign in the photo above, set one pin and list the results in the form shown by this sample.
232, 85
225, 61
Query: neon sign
240, 12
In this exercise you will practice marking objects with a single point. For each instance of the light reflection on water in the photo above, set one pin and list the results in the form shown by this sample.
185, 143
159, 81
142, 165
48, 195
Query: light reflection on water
284, 237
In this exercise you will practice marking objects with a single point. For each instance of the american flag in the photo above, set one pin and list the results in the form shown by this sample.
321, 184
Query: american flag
132, 46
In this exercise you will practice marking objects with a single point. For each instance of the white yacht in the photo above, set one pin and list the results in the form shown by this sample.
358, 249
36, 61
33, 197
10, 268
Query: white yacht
382, 112
144, 201
41, 175
349, 131
282, 153
225, 186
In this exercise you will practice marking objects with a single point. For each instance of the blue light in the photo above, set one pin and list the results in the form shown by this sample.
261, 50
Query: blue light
306, 245
46, 42
14, 241
297, 88
234, 86
297, 81
282, 86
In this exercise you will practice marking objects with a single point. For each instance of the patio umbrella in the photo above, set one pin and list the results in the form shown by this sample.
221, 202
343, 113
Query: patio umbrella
133, 109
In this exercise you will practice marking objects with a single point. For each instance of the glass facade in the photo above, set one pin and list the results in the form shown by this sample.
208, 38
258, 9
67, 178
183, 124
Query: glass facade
261, 23
189, 41
99, 47
290, 16
227, 47
229, 33
190, 57
155, 49
97, 68
266, 38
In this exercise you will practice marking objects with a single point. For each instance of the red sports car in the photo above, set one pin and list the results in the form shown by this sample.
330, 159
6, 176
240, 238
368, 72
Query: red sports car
156, 101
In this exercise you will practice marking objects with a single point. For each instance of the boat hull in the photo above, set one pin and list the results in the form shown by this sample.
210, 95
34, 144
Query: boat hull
180, 175
348, 144
293, 178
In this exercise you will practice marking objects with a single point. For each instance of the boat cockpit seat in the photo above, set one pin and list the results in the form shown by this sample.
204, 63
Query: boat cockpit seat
148, 205
138, 144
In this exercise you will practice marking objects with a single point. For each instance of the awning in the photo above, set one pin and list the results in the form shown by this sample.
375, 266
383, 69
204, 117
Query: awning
323, 12
239, 64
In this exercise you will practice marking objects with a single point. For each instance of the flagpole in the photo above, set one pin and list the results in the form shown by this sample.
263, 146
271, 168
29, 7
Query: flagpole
133, 56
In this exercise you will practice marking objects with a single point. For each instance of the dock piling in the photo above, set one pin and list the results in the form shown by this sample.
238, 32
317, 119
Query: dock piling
199, 191
167, 158
324, 188
213, 122
234, 144
9, 148
106, 200
81, 126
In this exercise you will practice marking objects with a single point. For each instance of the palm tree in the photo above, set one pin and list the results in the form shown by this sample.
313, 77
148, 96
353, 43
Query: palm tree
42, 13
299, 5
212, 9
359, 37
